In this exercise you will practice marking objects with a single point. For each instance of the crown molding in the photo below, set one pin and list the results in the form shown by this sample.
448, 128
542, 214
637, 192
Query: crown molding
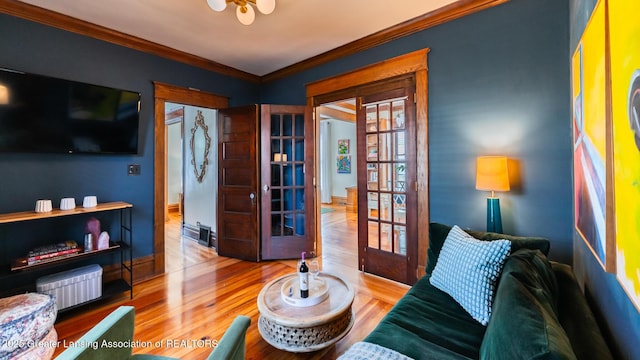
448, 13
68, 23
47, 17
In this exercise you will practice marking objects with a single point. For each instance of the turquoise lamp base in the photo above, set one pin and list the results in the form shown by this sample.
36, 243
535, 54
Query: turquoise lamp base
494, 219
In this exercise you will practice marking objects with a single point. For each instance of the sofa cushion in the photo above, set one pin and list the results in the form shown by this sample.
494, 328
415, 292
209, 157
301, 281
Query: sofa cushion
438, 233
468, 269
525, 324
577, 319
427, 323
24, 319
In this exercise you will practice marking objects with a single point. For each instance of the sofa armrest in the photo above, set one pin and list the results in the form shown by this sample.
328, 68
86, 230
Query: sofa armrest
576, 317
116, 327
232, 344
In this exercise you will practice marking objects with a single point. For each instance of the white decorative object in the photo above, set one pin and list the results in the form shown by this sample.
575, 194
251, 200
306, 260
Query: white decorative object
103, 240
67, 204
318, 291
43, 206
89, 201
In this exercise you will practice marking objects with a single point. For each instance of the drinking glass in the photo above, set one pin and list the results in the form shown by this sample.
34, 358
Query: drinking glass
314, 268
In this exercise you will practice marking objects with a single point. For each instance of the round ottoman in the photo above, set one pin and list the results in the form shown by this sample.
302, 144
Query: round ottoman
26, 322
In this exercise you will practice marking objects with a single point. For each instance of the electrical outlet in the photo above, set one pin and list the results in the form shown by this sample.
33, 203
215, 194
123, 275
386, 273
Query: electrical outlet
133, 169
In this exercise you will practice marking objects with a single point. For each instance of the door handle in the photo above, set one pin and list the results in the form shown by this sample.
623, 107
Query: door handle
252, 196
265, 188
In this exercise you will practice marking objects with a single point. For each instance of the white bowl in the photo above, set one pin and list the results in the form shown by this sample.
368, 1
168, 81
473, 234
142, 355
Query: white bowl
89, 201
43, 206
67, 204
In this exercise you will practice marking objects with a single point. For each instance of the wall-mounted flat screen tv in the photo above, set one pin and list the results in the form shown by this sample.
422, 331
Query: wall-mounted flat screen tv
40, 114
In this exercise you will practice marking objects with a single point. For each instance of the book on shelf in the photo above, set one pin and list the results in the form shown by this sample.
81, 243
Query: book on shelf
53, 248
51, 251
50, 256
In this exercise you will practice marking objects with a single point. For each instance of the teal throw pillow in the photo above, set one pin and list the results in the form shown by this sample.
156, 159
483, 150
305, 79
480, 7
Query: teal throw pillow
468, 269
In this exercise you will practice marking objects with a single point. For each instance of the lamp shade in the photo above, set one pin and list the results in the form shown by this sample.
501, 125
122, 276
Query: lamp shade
245, 14
4, 95
217, 5
266, 6
492, 173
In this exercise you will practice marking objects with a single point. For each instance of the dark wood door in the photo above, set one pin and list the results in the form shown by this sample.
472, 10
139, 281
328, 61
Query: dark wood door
238, 176
287, 191
387, 196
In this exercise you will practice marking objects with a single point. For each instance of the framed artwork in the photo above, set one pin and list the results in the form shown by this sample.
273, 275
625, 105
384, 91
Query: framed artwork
606, 124
624, 39
343, 146
590, 138
344, 164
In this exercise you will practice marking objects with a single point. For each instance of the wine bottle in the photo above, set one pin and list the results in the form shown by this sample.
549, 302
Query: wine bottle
304, 278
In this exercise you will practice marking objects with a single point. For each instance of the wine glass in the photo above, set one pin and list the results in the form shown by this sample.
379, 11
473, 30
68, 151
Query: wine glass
314, 268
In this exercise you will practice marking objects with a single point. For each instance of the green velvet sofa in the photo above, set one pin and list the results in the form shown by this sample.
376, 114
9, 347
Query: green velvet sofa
117, 328
538, 312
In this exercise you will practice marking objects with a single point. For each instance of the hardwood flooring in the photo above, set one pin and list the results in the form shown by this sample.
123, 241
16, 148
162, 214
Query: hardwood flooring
201, 293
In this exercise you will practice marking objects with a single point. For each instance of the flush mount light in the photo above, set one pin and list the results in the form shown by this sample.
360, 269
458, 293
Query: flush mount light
244, 10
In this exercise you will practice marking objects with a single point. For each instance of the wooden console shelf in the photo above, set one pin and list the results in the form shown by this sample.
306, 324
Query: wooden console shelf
32, 215
124, 245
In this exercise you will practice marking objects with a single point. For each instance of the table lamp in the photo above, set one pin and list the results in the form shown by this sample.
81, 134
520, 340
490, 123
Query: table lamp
492, 175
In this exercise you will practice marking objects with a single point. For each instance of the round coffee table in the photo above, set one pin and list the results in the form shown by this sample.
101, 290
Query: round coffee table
305, 328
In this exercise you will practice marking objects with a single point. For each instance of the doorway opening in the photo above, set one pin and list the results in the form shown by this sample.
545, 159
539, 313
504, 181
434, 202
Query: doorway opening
338, 180
165, 93
191, 133
378, 96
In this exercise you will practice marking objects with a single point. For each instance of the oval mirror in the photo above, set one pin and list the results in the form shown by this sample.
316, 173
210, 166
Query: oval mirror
200, 144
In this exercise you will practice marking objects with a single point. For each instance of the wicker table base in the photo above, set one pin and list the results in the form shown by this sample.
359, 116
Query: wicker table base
305, 329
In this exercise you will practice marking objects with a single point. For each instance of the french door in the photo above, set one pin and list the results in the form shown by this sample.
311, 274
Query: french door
288, 221
387, 195
238, 179
265, 182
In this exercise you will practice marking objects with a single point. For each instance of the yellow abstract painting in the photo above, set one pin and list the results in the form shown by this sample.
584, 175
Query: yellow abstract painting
590, 135
625, 96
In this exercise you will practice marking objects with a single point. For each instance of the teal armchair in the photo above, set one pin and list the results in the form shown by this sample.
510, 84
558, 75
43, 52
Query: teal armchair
118, 328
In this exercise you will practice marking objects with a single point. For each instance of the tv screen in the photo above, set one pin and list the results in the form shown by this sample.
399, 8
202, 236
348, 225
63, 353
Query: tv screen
50, 115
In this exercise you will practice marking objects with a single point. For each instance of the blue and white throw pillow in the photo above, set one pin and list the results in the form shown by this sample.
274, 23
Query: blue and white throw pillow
468, 269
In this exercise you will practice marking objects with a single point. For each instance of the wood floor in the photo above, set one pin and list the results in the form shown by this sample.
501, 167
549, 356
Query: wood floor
201, 293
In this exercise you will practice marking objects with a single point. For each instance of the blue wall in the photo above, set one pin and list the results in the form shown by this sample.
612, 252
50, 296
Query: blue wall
498, 84
39, 49
618, 317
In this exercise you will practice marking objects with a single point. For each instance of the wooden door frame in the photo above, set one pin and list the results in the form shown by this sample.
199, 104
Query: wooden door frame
164, 93
411, 63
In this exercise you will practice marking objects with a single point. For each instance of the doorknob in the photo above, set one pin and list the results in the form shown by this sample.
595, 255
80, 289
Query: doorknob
252, 196
265, 188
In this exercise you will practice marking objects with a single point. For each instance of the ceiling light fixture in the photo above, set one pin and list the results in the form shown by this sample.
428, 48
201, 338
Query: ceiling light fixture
244, 10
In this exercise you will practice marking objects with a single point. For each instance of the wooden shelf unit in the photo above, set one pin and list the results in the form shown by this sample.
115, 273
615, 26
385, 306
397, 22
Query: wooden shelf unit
124, 246
32, 215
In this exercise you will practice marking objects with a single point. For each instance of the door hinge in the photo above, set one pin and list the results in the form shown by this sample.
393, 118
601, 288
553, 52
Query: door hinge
415, 186
415, 97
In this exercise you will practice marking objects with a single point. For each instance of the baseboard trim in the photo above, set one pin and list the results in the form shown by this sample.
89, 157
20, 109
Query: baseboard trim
142, 270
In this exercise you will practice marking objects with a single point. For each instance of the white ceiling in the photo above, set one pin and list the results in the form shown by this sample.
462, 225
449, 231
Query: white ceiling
295, 31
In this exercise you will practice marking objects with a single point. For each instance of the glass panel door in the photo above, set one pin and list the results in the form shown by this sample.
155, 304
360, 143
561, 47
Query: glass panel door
387, 209
287, 175
287, 219
386, 178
